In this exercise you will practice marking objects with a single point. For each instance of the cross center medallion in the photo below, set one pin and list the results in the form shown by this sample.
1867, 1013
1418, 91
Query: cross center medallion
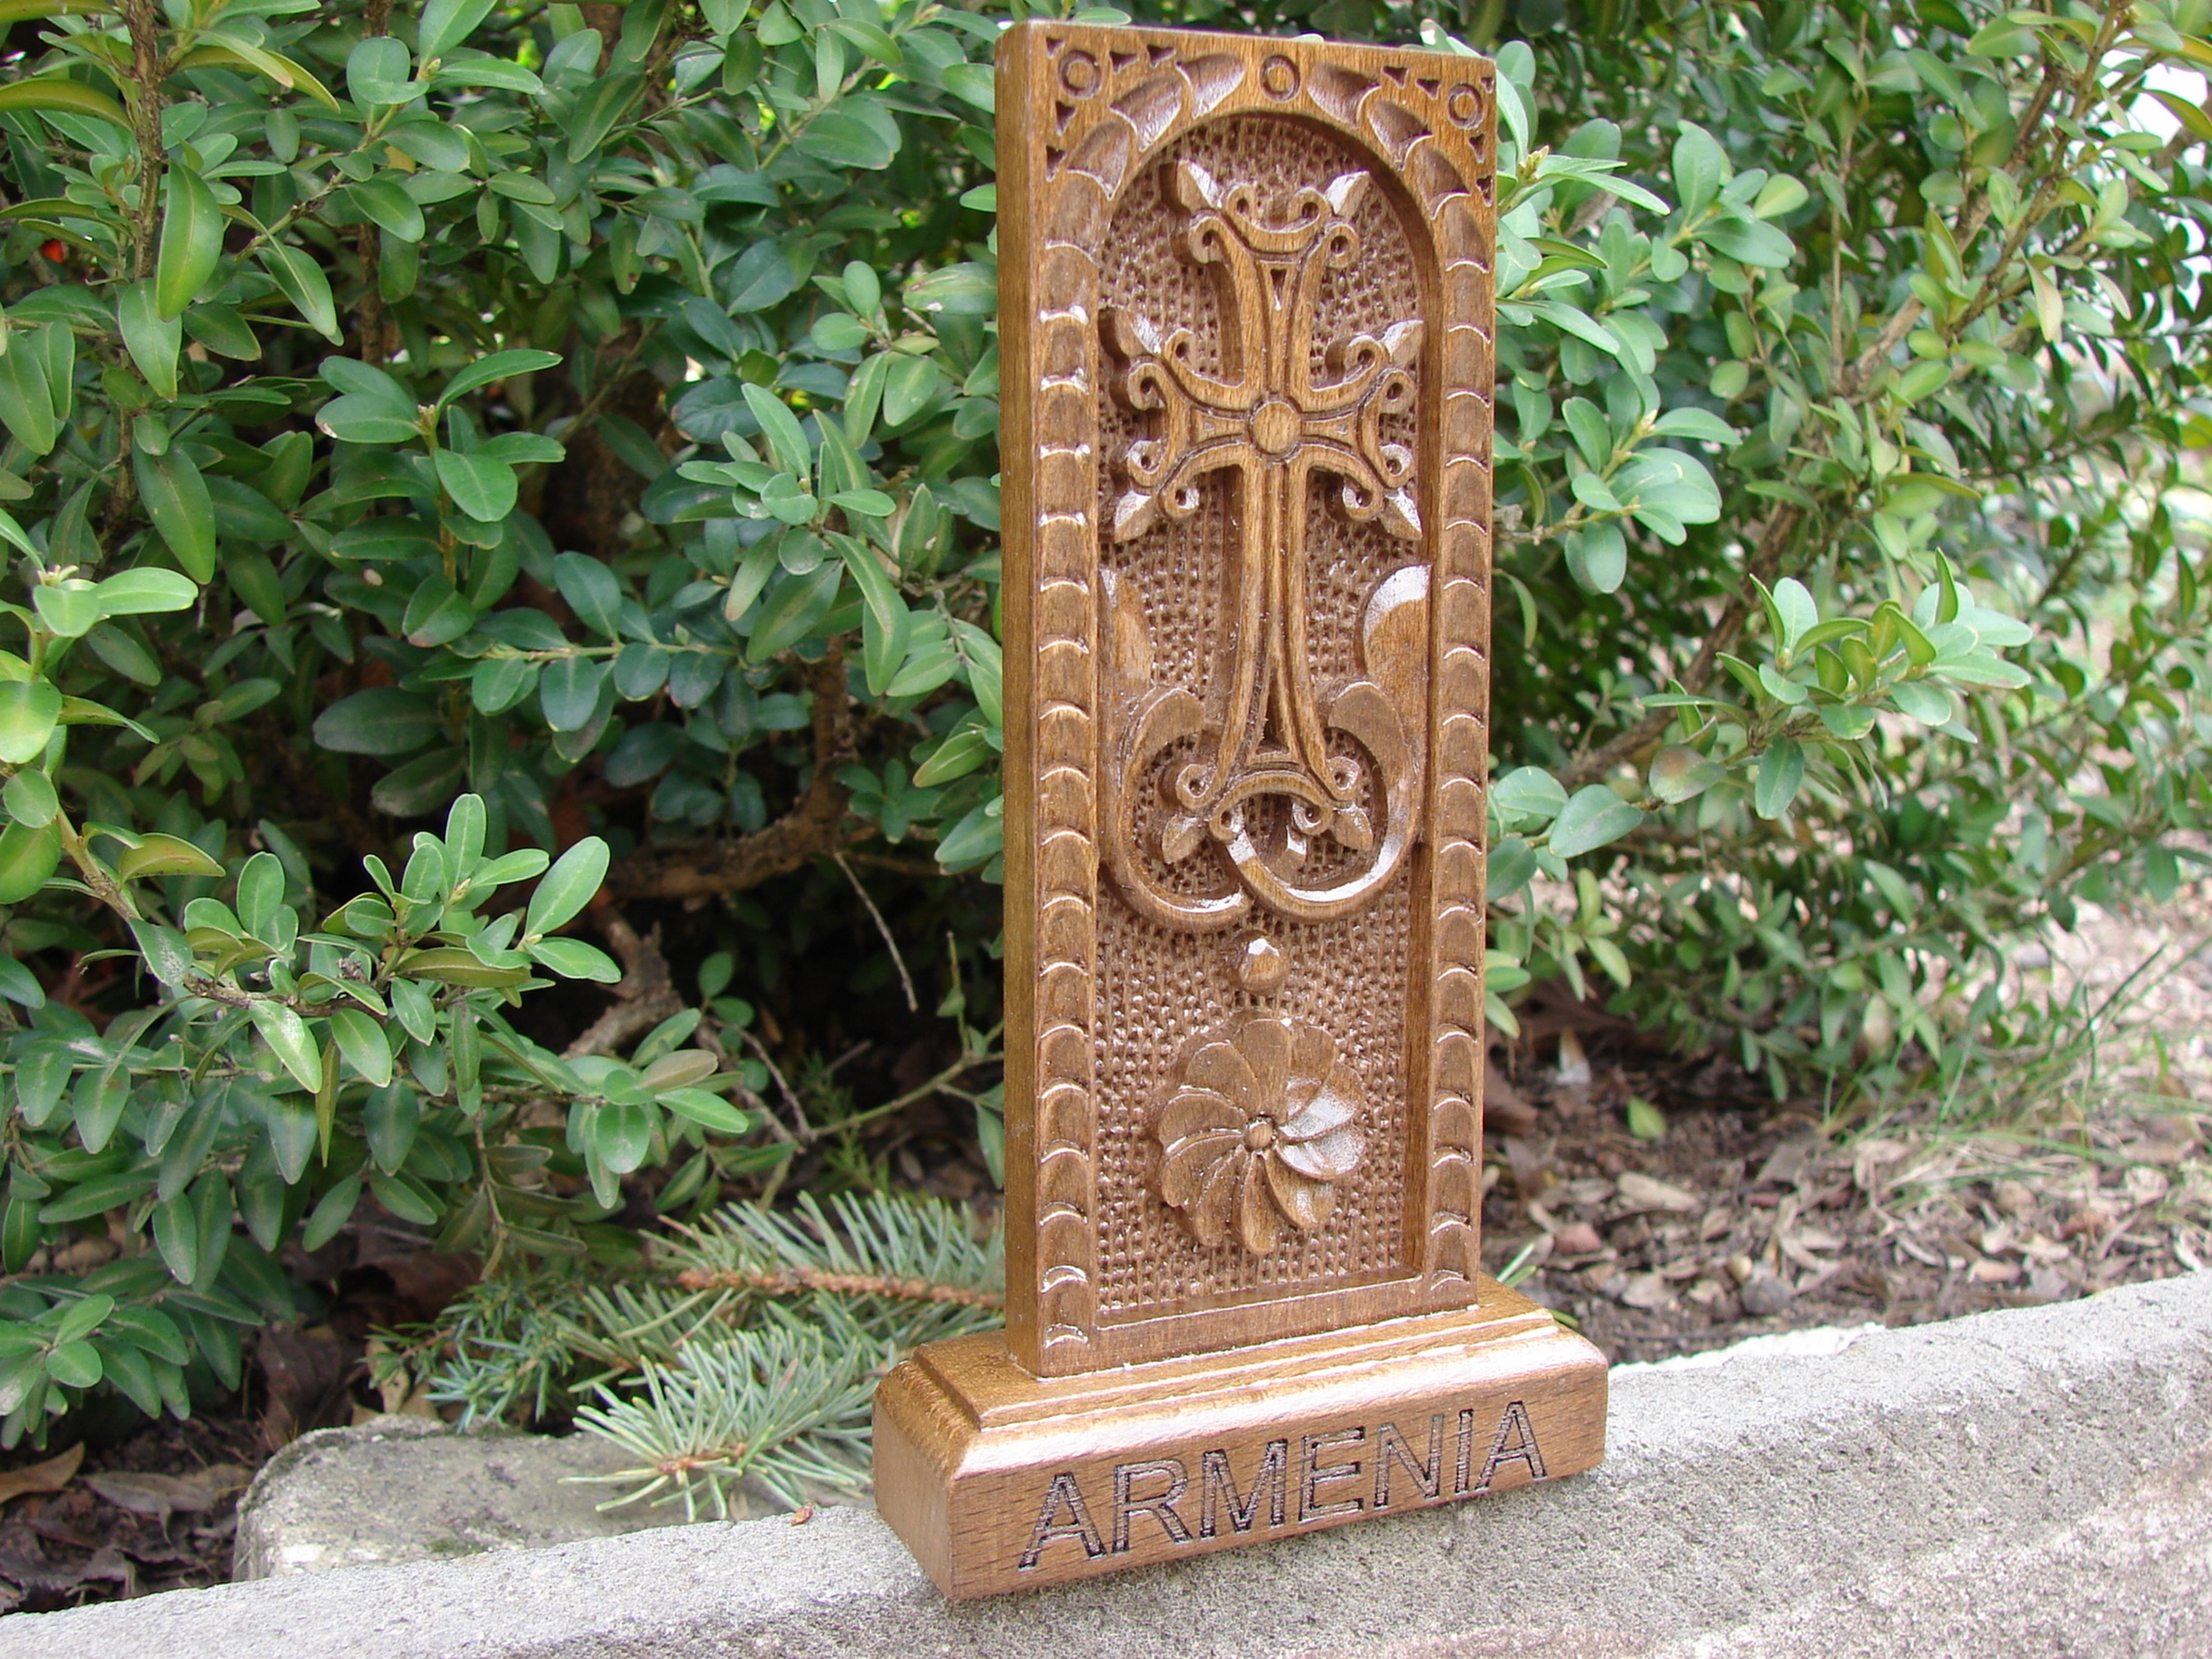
1267, 421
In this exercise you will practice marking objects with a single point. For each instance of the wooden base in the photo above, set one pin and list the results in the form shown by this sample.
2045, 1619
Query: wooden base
999, 1480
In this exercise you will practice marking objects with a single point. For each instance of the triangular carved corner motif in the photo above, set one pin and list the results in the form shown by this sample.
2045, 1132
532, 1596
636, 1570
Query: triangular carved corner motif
1338, 90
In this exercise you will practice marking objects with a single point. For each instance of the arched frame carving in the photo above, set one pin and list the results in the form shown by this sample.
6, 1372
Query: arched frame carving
1085, 114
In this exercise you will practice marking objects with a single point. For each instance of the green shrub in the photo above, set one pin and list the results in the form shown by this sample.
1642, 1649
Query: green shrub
407, 411
1851, 386
577, 427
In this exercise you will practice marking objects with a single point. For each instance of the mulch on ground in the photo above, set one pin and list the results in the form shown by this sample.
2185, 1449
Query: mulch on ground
1744, 1219
153, 1511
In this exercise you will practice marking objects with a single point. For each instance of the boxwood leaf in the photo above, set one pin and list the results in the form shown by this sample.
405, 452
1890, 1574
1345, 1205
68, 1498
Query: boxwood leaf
287, 1035
303, 283
29, 711
482, 486
572, 959
384, 204
790, 611
1593, 817
568, 691
498, 366
568, 886
177, 500
1681, 773
191, 239
1781, 775
152, 339
27, 856
382, 720
591, 591
361, 1040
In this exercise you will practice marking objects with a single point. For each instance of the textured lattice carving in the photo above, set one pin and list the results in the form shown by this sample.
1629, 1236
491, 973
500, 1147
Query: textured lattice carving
1267, 418
1248, 370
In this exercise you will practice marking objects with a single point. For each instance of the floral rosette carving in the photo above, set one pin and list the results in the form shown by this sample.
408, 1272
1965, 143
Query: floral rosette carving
1263, 1125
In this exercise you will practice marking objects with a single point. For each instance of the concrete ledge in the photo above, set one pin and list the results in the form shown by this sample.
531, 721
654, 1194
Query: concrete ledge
398, 1489
2032, 1481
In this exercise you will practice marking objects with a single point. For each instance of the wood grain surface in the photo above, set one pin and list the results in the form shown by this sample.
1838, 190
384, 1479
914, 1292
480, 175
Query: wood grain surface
1000, 1480
1246, 371
1248, 366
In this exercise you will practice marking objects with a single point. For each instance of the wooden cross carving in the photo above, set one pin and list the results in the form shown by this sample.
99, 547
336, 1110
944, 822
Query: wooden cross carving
1247, 368
1272, 423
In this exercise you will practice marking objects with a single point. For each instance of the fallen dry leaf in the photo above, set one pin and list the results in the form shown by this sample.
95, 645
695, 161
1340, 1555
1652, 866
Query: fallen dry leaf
305, 1372
2088, 1219
2016, 1199
1641, 1191
25, 1565
1765, 1292
1503, 1110
800, 1516
1574, 1064
1787, 1161
109, 1564
1799, 1254
51, 1476
2147, 1185
1869, 1157
1819, 1239
2036, 1247
1647, 1291
1577, 1238
1919, 1252
158, 1496
1530, 1179
1988, 1272
85, 1255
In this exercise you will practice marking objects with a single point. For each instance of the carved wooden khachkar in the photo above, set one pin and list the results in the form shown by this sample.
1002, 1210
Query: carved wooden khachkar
1247, 362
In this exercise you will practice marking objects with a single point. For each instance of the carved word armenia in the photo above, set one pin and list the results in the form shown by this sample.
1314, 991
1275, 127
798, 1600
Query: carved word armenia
1310, 1480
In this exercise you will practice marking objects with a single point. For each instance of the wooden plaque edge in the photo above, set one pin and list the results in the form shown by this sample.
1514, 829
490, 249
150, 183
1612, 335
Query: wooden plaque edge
972, 1449
1390, 103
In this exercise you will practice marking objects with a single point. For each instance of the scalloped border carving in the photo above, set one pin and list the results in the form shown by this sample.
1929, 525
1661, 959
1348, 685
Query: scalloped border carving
1081, 111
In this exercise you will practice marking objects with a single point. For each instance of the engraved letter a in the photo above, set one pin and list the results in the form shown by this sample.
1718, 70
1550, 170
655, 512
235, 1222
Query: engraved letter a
1062, 1494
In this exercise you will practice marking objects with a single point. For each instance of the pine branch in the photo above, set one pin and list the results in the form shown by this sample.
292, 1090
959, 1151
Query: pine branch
794, 1281
882, 1246
784, 1405
758, 1357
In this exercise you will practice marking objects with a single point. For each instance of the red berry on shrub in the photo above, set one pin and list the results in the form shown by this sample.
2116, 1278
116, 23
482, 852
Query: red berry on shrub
54, 249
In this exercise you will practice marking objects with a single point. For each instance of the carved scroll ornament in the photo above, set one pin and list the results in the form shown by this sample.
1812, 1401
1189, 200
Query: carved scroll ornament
1269, 422
1247, 367
1247, 384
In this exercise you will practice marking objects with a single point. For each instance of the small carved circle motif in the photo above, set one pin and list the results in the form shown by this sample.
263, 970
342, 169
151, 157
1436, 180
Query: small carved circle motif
1261, 965
1279, 78
1274, 426
1079, 73
1462, 106
1263, 1125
